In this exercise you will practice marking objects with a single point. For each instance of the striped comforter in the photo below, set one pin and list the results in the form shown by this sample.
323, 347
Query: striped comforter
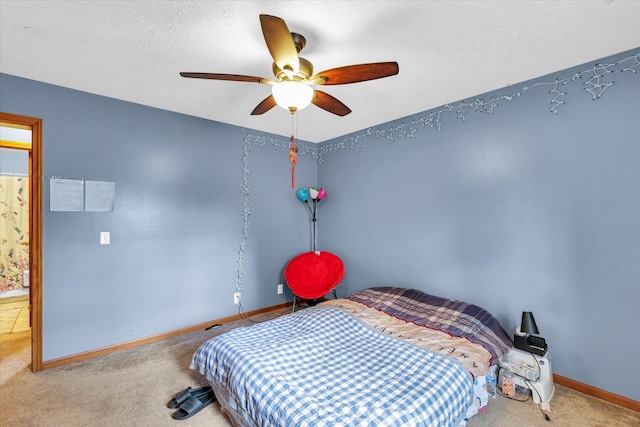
455, 318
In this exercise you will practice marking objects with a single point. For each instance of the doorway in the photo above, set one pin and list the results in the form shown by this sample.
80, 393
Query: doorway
29, 148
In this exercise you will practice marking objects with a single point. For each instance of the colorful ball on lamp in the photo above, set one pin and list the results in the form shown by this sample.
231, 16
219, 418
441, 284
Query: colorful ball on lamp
302, 194
321, 193
313, 192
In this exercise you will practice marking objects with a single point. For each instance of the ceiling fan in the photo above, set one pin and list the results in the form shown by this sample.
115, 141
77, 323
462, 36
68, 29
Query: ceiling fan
291, 88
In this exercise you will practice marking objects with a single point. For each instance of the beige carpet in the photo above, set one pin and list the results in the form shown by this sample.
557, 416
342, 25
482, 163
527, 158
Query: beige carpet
132, 387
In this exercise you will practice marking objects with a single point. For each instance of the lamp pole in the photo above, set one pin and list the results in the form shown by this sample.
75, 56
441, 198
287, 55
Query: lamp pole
316, 194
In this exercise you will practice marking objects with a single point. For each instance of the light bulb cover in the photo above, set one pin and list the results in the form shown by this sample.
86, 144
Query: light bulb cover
313, 193
292, 95
321, 193
302, 194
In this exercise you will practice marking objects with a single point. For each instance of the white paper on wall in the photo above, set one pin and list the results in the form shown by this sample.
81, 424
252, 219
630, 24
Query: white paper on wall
66, 195
99, 196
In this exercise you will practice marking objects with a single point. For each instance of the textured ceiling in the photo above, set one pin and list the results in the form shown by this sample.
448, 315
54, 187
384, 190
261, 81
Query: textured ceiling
447, 51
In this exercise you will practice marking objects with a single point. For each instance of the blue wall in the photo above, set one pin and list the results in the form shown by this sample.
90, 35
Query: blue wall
177, 224
513, 210
14, 161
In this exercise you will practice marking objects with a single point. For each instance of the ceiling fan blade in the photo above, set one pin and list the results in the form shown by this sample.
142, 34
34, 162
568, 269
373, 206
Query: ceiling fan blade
232, 77
267, 104
355, 73
329, 103
280, 43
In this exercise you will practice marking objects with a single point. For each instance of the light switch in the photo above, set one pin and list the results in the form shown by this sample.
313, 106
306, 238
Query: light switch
105, 238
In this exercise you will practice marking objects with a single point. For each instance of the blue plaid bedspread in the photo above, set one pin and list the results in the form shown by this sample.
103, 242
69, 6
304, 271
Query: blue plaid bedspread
323, 367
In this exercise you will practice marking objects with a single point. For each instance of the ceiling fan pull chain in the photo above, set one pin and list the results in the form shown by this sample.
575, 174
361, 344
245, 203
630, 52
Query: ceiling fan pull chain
293, 157
292, 160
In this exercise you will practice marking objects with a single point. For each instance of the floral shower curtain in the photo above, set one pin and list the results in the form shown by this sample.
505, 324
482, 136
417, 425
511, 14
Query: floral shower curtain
14, 231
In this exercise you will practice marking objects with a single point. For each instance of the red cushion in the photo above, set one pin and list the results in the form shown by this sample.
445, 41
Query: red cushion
313, 274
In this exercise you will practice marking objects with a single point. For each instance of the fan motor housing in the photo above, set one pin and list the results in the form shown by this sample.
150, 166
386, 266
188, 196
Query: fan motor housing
305, 71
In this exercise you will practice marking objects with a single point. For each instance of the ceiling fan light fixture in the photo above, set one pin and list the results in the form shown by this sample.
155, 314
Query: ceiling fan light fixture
292, 95
294, 75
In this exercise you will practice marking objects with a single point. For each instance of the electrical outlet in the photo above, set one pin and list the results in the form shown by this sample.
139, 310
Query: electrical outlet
236, 298
280, 288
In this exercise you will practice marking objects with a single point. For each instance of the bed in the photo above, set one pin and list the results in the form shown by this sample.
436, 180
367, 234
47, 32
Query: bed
384, 356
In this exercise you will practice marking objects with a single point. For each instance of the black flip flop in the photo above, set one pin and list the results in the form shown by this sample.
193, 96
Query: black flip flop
183, 395
193, 405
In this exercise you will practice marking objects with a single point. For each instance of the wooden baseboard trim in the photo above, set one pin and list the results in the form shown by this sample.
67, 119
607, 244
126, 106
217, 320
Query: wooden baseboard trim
79, 357
616, 399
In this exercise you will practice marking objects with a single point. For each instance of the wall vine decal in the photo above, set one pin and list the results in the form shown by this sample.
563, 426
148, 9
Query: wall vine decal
593, 80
